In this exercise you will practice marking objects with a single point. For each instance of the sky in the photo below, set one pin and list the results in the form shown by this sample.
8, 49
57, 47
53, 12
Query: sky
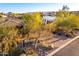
32, 7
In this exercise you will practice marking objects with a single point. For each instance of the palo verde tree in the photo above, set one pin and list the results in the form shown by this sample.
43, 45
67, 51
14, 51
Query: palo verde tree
32, 21
32, 24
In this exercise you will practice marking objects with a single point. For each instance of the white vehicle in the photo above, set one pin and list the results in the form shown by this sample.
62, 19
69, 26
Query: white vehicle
48, 19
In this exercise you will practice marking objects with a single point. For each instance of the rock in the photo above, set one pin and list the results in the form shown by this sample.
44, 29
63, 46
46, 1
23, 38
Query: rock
19, 25
53, 45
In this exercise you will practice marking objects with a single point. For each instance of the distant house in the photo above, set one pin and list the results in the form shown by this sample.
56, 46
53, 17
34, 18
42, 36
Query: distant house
47, 19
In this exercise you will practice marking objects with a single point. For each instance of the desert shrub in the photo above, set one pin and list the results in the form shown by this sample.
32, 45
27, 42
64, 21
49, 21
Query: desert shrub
16, 52
8, 39
67, 23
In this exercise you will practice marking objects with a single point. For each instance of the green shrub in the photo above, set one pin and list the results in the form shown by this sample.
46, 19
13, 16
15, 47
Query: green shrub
67, 23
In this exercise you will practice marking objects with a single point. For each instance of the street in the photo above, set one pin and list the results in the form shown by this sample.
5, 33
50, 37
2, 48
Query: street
70, 50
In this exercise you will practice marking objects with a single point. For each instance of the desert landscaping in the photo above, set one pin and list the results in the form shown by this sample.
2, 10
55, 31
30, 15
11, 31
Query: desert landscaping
36, 33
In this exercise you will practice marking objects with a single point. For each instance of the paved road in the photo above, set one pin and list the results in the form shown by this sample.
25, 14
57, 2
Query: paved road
71, 50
